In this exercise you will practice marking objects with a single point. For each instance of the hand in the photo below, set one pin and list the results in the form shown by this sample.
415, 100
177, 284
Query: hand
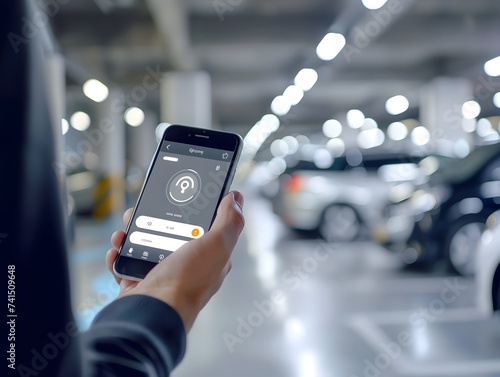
188, 278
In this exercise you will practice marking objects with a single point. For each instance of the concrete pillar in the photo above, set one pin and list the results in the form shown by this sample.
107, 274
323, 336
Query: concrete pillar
441, 112
186, 98
142, 141
110, 191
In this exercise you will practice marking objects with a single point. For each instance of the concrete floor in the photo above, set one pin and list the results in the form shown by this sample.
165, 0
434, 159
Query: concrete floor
296, 307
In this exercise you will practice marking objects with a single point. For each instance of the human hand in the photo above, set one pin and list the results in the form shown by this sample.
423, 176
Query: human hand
188, 278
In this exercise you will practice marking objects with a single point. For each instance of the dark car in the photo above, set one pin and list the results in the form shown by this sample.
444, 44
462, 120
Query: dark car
450, 214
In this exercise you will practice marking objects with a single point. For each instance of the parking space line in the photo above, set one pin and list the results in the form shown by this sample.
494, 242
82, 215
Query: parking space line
402, 316
374, 337
367, 326
455, 368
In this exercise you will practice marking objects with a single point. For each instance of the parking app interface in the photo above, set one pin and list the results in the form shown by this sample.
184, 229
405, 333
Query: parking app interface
179, 200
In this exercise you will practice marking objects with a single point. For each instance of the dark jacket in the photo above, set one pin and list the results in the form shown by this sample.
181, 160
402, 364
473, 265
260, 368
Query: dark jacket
133, 336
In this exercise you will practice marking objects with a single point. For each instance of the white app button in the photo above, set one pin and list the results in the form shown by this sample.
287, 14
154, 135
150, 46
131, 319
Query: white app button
158, 242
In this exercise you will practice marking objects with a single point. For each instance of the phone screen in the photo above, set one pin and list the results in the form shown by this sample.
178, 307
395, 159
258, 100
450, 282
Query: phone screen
178, 202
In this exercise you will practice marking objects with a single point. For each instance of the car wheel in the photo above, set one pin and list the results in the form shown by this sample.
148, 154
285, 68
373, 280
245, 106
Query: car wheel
340, 223
462, 244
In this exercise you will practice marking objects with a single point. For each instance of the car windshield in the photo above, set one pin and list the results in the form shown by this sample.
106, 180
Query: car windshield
366, 162
462, 169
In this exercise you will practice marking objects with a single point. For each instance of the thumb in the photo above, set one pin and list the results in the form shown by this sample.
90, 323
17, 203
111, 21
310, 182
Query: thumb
229, 221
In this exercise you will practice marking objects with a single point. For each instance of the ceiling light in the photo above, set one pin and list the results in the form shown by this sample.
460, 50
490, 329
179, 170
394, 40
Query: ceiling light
370, 138
420, 136
306, 79
332, 128
374, 4
336, 147
330, 46
369, 124
484, 127
397, 105
471, 110
355, 118
496, 100
65, 126
293, 94
397, 131
160, 129
270, 122
280, 106
80, 121
134, 116
293, 144
95, 90
279, 148
492, 67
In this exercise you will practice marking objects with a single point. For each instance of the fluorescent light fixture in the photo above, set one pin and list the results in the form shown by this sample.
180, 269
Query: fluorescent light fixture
306, 79
492, 67
134, 116
355, 118
332, 128
95, 90
374, 4
330, 46
397, 105
471, 110
65, 126
280, 106
293, 94
80, 121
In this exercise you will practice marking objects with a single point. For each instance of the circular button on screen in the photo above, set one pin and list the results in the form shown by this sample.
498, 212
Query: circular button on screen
183, 187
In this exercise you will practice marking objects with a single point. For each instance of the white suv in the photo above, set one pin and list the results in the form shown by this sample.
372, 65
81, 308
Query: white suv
347, 198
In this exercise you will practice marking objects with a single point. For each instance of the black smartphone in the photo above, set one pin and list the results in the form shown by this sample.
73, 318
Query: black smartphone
190, 173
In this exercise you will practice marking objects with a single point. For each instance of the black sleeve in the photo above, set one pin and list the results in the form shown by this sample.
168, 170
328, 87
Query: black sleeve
134, 336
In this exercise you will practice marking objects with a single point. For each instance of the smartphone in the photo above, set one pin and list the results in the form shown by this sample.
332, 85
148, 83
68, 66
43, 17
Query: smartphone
190, 173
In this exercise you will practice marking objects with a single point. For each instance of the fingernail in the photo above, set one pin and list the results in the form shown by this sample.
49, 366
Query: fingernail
238, 200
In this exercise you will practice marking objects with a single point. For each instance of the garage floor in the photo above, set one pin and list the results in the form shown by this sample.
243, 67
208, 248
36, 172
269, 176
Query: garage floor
296, 307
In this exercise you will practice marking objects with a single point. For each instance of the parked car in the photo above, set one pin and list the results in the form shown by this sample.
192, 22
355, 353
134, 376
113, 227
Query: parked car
488, 266
450, 214
342, 200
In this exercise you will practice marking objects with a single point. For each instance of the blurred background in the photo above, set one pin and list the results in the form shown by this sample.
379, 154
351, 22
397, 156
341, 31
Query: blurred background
371, 171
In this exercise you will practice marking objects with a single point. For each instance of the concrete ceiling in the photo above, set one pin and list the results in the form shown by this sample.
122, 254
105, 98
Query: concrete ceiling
253, 48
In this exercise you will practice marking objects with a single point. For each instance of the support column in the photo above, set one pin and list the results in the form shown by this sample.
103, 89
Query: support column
441, 112
186, 98
142, 141
109, 193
